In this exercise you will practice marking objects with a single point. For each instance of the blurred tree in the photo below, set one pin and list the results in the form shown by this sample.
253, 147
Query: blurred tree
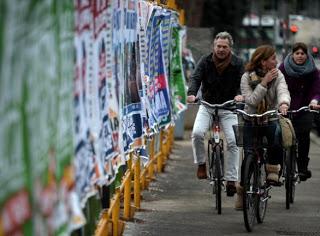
225, 16
193, 10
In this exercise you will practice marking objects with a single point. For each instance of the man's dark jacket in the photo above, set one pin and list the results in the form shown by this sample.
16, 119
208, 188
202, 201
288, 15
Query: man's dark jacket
216, 89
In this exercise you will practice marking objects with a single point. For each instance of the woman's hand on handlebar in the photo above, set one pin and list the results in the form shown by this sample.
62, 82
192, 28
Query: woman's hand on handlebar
314, 105
283, 108
239, 98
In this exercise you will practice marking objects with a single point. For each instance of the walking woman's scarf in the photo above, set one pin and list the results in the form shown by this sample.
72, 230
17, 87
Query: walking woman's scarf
254, 80
296, 71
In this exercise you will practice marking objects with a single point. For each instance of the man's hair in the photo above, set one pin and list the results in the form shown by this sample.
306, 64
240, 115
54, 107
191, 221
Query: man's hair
224, 35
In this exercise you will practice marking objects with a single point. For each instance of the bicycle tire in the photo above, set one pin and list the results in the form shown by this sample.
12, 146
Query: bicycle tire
210, 162
294, 172
263, 194
250, 179
218, 177
288, 177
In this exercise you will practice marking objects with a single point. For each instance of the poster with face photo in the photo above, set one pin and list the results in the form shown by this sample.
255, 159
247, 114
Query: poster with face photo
132, 108
158, 93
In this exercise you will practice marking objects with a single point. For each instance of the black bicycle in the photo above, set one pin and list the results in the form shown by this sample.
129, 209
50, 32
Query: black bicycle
255, 135
215, 150
289, 168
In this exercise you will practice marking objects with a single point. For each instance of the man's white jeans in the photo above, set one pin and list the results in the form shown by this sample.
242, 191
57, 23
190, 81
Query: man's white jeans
201, 125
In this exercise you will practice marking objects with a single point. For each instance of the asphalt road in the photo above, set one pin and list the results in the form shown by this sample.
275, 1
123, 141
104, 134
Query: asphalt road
177, 203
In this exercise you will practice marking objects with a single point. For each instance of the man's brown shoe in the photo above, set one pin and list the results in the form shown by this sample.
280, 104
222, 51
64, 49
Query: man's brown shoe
231, 188
202, 172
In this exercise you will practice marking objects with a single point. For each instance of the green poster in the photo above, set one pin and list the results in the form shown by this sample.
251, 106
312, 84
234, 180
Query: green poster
36, 90
15, 205
177, 80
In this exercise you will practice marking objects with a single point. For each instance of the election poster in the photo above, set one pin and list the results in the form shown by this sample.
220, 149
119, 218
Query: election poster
177, 79
87, 169
15, 180
158, 93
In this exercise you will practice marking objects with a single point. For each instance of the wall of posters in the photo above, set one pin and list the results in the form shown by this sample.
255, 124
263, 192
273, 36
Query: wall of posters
82, 82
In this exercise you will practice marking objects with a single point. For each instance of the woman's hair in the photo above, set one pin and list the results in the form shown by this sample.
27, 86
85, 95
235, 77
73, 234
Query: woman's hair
261, 53
301, 46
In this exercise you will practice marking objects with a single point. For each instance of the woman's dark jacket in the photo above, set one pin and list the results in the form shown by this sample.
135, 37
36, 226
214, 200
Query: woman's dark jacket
303, 89
216, 89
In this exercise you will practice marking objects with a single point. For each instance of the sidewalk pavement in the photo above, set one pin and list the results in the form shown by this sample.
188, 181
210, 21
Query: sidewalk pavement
177, 203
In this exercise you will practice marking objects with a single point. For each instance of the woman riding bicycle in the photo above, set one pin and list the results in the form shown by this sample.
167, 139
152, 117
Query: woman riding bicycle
303, 81
264, 88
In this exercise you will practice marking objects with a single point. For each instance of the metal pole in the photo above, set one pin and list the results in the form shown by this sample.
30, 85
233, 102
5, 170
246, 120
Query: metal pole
285, 10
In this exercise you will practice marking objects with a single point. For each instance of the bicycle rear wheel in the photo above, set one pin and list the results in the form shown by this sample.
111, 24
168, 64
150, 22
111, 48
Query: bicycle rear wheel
218, 176
250, 197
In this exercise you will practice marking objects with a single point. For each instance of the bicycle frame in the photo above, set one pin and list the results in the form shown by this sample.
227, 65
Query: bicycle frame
290, 172
256, 190
215, 151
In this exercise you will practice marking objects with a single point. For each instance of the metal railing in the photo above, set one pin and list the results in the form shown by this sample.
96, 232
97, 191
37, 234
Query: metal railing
135, 179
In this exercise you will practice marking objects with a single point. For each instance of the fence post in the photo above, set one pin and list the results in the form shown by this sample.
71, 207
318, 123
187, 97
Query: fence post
137, 170
160, 156
151, 156
127, 190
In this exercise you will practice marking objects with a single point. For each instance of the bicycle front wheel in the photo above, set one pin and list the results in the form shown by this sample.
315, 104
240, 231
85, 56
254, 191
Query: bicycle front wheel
250, 197
218, 176
293, 172
263, 193
288, 178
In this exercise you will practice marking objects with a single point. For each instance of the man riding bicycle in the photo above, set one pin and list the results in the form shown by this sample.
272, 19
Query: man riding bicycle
219, 75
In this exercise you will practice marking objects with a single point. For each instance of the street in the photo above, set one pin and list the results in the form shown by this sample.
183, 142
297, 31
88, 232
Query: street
177, 203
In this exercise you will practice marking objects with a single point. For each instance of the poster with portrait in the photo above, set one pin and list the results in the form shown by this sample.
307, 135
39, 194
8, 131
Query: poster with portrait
132, 108
158, 93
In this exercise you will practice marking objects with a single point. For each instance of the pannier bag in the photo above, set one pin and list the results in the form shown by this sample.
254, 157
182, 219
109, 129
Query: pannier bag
287, 130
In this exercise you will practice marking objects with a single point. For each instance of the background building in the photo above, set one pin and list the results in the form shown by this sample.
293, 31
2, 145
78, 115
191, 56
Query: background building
254, 22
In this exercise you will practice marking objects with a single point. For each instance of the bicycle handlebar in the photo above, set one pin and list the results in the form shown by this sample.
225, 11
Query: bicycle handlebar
304, 108
265, 114
219, 106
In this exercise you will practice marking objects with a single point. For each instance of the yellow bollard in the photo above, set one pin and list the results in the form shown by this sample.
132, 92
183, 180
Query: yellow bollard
172, 4
182, 18
151, 160
137, 183
171, 139
102, 227
143, 182
127, 196
164, 146
116, 213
